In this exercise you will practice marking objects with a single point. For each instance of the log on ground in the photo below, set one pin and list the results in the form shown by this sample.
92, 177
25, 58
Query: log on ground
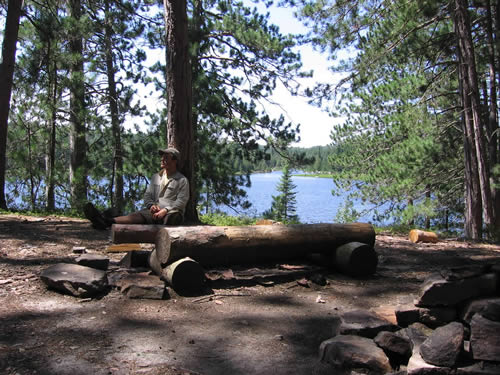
184, 275
212, 245
356, 259
417, 235
134, 233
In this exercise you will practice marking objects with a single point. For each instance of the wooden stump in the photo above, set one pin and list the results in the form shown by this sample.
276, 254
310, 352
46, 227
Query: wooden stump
184, 275
356, 259
422, 236
212, 245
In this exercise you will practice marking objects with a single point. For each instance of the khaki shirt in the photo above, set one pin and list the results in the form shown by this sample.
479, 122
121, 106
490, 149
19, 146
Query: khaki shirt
174, 195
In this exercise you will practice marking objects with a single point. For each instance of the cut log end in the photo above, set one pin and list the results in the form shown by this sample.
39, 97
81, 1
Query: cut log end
185, 276
356, 259
417, 235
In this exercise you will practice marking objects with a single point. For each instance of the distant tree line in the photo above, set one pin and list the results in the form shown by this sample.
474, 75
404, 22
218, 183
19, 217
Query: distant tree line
310, 159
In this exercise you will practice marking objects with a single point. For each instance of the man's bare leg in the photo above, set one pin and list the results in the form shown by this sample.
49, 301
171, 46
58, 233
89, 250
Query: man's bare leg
133, 218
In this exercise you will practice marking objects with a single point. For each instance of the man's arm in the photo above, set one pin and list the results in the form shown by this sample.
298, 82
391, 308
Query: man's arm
151, 194
182, 197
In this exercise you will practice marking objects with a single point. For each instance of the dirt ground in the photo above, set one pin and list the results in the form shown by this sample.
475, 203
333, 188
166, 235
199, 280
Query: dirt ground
260, 328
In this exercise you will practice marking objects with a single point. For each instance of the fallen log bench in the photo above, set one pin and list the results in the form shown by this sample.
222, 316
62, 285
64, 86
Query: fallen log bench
217, 245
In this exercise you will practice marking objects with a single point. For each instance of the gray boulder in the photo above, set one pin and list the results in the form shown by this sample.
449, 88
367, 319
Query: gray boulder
142, 286
354, 352
364, 323
431, 317
440, 291
485, 338
479, 306
444, 346
397, 348
76, 280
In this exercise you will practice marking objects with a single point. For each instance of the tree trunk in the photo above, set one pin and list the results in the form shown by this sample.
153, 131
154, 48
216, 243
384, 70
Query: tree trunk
493, 113
6, 78
78, 144
473, 207
470, 88
211, 245
179, 94
117, 192
51, 149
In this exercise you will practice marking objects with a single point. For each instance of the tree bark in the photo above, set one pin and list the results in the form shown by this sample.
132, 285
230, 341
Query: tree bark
51, 152
116, 193
493, 112
78, 143
180, 133
473, 208
470, 88
211, 245
6, 78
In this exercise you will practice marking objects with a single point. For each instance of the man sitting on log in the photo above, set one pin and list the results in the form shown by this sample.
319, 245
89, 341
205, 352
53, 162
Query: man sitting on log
165, 198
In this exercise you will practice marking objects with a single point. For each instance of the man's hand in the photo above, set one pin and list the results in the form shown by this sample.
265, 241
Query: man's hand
160, 214
154, 209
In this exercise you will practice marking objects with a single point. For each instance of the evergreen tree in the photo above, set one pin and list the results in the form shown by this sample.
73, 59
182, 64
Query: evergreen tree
283, 207
403, 140
9, 46
237, 59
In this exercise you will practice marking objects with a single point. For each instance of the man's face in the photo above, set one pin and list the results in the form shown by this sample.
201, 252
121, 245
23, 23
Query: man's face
168, 163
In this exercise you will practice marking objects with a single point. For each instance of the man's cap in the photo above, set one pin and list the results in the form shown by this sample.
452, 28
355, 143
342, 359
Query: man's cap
171, 151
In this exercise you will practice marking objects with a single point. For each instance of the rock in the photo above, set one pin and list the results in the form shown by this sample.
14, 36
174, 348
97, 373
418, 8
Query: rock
396, 347
417, 333
466, 272
479, 306
437, 291
99, 262
444, 346
417, 366
480, 368
492, 311
79, 281
485, 338
354, 352
135, 259
143, 285
431, 317
79, 249
364, 323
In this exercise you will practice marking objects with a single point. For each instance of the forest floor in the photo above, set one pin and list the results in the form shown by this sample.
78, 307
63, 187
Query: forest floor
271, 328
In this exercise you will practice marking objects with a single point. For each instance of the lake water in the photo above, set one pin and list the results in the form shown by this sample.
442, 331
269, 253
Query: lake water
315, 201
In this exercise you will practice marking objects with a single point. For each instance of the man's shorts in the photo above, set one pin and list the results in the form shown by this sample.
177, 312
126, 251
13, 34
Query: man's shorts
174, 218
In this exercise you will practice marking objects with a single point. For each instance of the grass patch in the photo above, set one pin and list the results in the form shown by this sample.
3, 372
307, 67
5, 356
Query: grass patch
221, 219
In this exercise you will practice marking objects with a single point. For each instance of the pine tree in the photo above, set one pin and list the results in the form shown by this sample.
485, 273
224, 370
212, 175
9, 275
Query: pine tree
9, 46
283, 207
403, 139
